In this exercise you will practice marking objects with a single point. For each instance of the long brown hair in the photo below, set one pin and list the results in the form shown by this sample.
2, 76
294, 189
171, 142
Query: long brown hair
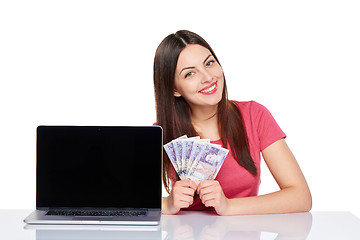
173, 113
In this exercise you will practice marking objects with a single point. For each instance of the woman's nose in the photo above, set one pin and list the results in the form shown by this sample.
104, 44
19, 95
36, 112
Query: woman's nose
207, 76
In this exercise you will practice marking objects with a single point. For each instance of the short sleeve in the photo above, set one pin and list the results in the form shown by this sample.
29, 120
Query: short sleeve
267, 128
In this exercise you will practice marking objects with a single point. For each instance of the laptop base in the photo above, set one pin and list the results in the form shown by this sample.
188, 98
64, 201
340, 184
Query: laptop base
40, 217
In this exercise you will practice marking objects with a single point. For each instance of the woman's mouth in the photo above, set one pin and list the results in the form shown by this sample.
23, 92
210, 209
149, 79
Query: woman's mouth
209, 90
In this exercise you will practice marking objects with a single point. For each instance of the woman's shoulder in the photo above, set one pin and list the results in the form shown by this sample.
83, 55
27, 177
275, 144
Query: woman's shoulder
249, 105
252, 110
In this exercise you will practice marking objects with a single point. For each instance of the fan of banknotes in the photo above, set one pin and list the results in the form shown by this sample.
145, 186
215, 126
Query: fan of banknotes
194, 158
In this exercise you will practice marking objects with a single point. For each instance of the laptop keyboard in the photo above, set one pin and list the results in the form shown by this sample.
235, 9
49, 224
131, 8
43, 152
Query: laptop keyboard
96, 213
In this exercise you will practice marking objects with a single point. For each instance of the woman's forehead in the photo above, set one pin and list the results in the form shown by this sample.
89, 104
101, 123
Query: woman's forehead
192, 54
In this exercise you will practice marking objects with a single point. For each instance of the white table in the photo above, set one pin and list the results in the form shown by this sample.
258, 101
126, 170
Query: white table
198, 225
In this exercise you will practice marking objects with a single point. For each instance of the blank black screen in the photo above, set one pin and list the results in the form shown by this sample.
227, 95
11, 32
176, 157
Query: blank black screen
101, 167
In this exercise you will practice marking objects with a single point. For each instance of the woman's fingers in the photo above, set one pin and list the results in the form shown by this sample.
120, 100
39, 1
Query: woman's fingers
212, 195
182, 194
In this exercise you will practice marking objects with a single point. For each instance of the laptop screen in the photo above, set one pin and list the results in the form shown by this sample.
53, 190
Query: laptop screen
99, 167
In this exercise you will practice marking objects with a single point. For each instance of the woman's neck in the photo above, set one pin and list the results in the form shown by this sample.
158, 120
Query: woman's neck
205, 122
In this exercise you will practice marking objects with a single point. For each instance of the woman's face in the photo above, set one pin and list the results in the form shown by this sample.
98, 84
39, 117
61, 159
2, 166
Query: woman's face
199, 77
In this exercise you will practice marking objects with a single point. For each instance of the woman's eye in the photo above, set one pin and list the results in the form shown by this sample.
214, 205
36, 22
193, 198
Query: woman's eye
189, 74
209, 63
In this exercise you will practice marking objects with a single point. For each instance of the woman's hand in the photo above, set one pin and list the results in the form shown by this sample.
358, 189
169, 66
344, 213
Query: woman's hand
212, 195
181, 196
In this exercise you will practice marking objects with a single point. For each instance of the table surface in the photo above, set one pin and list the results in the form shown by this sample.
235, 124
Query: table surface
197, 225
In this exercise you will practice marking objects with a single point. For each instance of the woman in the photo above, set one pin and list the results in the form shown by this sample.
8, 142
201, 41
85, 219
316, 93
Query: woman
191, 98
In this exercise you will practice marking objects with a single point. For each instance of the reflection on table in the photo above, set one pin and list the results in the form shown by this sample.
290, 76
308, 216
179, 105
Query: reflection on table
191, 226
92, 232
207, 225
195, 225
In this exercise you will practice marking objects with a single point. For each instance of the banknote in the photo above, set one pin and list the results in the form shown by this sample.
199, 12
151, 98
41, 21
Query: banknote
207, 163
178, 156
186, 146
195, 158
196, 148
170, 151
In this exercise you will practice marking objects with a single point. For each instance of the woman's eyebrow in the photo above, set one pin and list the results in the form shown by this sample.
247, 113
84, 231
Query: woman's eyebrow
207, 58
185, 69
210, 55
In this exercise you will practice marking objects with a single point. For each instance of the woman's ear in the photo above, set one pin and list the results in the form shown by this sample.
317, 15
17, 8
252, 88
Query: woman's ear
176, 93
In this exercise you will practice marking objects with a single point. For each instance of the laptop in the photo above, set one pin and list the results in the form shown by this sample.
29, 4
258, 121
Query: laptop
98, 175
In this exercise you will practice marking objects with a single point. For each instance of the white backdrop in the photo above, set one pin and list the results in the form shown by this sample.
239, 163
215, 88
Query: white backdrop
90, 63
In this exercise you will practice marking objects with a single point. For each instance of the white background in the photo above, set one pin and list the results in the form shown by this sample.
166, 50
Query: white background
90, 63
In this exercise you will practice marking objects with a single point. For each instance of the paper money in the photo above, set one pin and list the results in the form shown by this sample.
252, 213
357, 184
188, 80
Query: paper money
208, 162
196, 148
178, 153
187, 145
170, 151
195, 158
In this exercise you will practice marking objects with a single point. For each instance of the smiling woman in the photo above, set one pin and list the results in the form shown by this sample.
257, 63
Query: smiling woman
174, 113
199, 77
191, 98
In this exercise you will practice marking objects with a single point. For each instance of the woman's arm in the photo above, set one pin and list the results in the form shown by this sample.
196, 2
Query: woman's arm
293, 196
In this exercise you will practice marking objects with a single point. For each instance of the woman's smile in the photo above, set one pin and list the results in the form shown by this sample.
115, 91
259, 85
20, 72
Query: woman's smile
209, 89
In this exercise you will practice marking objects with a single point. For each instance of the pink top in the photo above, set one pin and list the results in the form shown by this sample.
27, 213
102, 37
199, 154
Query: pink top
262, 130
